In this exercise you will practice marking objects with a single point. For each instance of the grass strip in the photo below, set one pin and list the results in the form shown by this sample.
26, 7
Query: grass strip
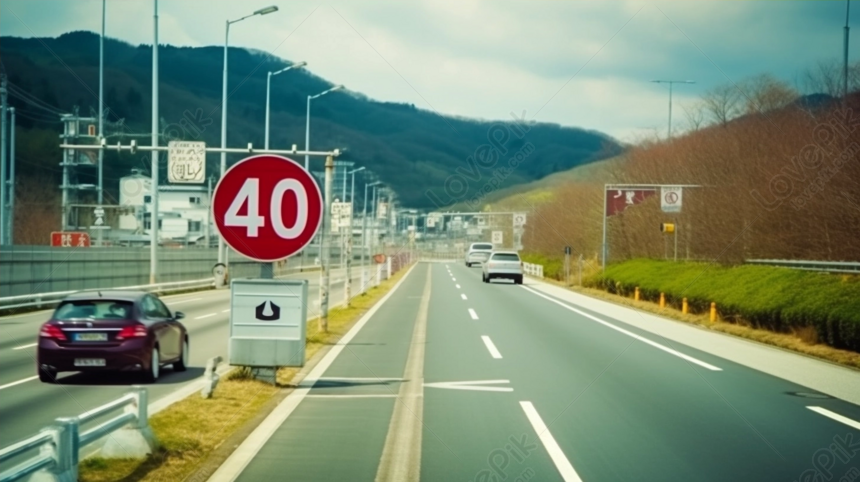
192, 429
798, 341
778, 299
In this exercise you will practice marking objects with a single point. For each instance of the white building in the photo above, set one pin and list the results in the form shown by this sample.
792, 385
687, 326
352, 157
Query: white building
183, 210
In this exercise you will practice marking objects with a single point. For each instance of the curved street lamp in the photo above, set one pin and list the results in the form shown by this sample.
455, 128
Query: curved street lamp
268, 92
262, 11
308, 121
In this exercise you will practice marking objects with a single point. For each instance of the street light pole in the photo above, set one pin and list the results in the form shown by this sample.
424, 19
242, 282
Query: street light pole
845, 59
153, 217
11, 213
364, 247
308, 121
262, 11
671, 82
101, 113
352, 189
268, 91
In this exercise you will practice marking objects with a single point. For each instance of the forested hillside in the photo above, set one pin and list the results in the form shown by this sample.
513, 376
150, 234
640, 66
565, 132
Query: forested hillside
411, 149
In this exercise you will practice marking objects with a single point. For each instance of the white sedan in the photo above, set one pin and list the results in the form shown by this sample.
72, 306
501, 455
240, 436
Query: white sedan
503, 264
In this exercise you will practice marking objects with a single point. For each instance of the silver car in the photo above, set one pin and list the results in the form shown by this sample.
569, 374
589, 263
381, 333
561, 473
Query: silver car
504, 265
478, 253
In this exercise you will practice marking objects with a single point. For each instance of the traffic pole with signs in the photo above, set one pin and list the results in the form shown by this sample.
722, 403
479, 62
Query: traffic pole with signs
618, 197
267, 208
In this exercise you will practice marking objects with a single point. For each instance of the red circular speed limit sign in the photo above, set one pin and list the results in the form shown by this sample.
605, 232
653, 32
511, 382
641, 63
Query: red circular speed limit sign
267, 207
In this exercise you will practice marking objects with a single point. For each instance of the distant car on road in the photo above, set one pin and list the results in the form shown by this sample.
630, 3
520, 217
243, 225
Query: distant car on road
112, 330
504, 265
478, 253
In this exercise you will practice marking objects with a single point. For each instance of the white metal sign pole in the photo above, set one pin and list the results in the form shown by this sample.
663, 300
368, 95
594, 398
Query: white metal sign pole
603, 258
324, 246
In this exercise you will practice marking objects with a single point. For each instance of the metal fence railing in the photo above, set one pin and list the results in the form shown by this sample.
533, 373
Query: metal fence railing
59, 445
46, 300
439, 256
534, 270
828, 266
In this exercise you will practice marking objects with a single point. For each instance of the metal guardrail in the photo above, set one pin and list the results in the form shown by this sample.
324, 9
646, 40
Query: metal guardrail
827, 266
535, 270
59, 444
47, 299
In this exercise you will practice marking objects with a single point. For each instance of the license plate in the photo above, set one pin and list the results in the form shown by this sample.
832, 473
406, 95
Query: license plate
90, 336
89, 362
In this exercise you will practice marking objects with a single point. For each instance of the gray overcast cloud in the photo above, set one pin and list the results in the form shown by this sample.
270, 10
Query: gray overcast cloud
486, 59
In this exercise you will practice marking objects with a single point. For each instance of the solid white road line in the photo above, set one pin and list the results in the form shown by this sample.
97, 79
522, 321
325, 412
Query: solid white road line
628, 333
458, 286
24, 380
377, 395
31, 345
463, 295
473, 314
226, 311
836, 416
359, 379
244, 453
555, 453
183, 301
205, 316
491, 347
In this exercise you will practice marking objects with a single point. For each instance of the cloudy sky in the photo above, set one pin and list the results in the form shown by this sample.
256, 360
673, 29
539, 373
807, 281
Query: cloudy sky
585, 64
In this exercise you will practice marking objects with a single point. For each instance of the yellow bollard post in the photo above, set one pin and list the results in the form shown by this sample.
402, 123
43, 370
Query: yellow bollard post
662, 300
636, 294
684, 306
713, 312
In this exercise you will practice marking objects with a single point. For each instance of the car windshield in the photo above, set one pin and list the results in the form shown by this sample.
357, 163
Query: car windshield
505, 257
482, 246
93, 310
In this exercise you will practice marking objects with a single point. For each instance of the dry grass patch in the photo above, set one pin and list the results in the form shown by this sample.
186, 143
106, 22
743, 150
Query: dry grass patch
190, 430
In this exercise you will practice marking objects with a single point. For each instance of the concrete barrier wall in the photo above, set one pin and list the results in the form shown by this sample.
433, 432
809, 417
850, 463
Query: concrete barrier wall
43, 269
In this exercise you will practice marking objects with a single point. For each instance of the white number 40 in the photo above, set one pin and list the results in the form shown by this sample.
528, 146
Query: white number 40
252, 221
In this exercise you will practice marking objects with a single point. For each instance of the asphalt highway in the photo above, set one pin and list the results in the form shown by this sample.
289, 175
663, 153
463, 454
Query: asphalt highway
26, 405
455, 379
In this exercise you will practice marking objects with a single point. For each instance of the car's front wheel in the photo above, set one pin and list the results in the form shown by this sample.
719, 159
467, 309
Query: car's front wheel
182, 364
468, 265
47, 375
151, 376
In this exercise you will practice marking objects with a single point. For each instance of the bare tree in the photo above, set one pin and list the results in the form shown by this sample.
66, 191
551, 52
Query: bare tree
764, 93
695, 115
854, 77
722, 103
824, 78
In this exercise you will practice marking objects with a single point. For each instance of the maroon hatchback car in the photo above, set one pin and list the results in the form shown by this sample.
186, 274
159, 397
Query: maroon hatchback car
112, 330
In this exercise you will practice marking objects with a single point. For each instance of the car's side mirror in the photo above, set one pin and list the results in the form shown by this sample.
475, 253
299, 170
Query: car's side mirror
178, 315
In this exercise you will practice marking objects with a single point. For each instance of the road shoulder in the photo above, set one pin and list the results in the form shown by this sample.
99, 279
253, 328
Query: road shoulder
822, 376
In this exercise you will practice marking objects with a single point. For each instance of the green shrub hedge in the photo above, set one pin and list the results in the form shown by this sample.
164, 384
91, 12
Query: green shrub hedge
777, 299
